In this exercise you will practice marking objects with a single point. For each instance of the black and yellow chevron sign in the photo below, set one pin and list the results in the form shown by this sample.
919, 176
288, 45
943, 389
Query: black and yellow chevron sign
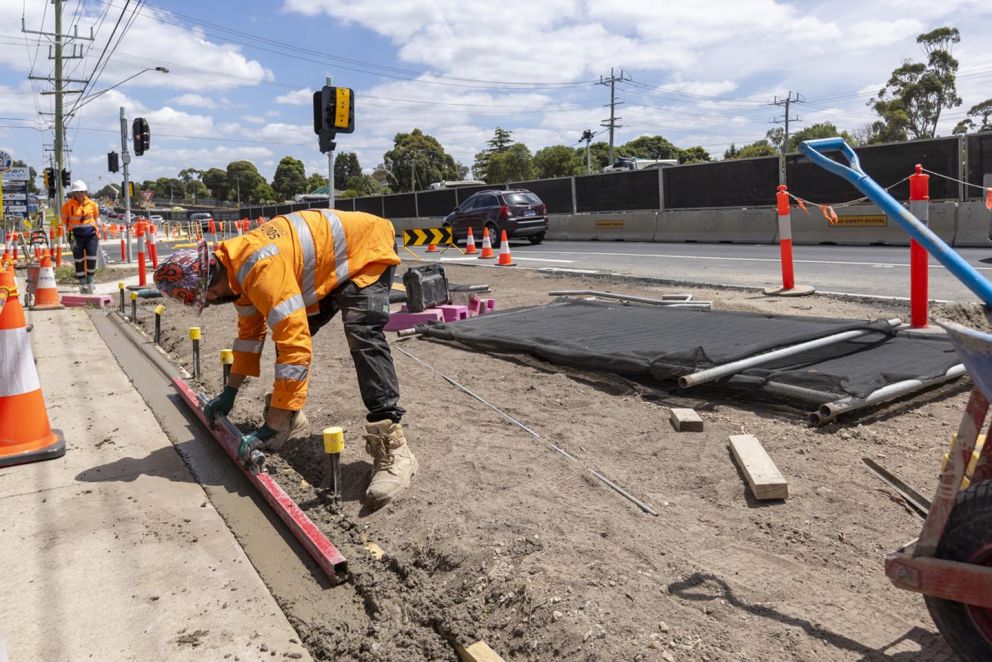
422, 236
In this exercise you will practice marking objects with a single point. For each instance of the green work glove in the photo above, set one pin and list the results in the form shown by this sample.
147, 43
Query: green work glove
254, 441
222, 404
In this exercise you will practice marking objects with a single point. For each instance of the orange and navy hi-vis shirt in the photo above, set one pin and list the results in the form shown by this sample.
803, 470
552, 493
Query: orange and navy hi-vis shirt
282, 269
75, 213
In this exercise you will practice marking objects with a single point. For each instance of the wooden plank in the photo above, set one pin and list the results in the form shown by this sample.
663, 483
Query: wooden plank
478, 652
686, 420
762, 475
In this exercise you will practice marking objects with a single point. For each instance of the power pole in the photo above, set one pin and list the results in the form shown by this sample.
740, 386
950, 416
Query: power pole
125, 160
59, 56
612, 122
587, 135
789, 99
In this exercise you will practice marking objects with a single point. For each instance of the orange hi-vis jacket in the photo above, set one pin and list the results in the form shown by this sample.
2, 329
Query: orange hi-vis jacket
282, 269
75, 213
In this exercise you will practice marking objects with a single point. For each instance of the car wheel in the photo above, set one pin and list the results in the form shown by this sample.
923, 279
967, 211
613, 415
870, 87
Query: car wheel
536, 238
493, 233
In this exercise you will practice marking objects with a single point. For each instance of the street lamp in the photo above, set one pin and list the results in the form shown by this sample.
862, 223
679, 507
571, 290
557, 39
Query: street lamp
90, 98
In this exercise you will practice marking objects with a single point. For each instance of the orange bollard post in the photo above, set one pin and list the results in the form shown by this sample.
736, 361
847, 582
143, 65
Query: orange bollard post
142, 267
784, 210
919, 259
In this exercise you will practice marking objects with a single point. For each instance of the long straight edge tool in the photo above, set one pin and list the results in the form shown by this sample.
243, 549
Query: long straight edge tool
313, 539
558, 449
947, 256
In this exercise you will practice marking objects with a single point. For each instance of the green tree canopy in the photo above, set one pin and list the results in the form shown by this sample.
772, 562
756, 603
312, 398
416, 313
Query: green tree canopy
263, 193
910, 103
694, 155
498, 144
757, 148
556, 161
979, 118
649, 147
362, 185
599, 156
243, 179
811, 132
215, 179
290, 178
315, 181
511, 165
417, 157
346, 166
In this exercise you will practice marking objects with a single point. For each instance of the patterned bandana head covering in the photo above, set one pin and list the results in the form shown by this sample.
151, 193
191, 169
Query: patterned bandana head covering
185, 276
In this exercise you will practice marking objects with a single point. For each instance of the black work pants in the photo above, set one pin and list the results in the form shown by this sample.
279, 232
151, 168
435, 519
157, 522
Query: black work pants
84, 249
365, 311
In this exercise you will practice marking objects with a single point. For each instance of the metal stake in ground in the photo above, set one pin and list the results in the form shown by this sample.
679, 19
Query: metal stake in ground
120, 287
134, 306
226, 361
194, 335
159, 309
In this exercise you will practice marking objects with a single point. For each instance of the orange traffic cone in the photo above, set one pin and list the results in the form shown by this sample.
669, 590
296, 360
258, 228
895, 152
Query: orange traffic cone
432, 248
46, 292
505, 259
25, 433
487, 246
469, 243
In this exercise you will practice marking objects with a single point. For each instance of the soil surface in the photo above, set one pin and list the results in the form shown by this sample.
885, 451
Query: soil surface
501, 539
65, 275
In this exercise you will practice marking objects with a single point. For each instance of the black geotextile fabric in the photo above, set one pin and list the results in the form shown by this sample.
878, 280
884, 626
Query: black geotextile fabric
638, 340
860, 366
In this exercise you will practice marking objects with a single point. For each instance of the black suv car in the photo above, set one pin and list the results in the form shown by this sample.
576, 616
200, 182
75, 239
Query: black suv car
519, 212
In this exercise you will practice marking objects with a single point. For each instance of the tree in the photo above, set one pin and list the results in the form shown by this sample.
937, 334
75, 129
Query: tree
316, 181
215, 179
498, 144
757, 148
910, 103
187, 175
979, 118
694, 155
599, 156
650, 147
362, 185
168, 188
243, 179
346, 166
511, 165
196, 189
32, 175
417, 157
557, 161
381, 178
263, 193
811, 132
290, 178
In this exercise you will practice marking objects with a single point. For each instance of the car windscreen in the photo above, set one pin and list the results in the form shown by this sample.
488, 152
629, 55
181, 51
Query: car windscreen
521, 198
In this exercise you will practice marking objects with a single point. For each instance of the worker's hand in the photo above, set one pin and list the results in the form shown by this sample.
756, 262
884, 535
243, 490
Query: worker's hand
222, 404
254, 441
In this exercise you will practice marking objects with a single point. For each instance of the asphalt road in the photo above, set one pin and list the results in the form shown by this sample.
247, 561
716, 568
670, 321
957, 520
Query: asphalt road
867, 270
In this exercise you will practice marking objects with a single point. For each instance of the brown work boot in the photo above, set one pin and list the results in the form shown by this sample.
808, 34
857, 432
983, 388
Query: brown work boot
392, 462
299, 428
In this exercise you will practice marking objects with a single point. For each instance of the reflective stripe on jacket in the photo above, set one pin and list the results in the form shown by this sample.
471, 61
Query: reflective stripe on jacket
282, 269
75, 213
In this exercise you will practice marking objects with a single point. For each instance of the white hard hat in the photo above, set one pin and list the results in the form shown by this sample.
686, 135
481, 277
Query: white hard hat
77, 186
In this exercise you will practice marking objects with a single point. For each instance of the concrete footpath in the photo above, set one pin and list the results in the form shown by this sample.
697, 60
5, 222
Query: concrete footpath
114, 552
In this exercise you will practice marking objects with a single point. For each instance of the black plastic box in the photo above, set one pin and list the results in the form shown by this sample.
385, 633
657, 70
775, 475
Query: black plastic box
426, 287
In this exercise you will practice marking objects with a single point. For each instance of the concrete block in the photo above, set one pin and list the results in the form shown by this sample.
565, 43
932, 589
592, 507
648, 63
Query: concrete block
686, 420
454, 313
405, 320
558, 227
613, 226
744, 225
87, 300
972, 227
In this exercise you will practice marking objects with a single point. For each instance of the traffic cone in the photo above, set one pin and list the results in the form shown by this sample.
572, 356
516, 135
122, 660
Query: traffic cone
487, 246
46, 292
469, 244
505, 259
25, 433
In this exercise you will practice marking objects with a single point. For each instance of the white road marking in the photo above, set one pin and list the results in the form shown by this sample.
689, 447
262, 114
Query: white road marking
542, 259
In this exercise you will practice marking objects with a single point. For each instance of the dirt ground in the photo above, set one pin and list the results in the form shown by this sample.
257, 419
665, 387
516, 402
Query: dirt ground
503, 540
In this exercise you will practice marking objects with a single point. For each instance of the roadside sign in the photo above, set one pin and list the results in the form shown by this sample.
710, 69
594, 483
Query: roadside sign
5, 161
17, 174
147, 195
16, 209
15, 195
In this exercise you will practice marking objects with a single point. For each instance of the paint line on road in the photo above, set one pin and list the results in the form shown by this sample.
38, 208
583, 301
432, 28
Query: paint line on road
541, 259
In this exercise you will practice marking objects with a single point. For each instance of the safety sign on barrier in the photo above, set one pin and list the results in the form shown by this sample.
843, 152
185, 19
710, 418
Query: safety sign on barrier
873, 221
609, 224
423, 236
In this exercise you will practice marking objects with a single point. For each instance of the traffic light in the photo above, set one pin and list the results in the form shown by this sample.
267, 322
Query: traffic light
333, 113
48, 175
141, 134
130, 189
112, 162
66, 178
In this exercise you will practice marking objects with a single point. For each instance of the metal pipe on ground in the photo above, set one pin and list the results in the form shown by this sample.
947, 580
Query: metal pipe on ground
831, 410
789, 391
665, 300
716, 372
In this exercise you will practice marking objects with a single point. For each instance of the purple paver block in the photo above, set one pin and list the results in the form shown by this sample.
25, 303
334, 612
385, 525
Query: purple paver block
82, 300
406, 320
453, 313
487, 306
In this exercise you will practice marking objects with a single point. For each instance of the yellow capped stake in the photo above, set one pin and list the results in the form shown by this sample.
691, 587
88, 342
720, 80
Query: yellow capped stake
134, 295
159, 309
194, 333
120, 285
226, 356
333, 440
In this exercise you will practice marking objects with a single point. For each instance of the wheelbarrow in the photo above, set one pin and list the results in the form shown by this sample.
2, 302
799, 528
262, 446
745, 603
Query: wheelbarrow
951, 561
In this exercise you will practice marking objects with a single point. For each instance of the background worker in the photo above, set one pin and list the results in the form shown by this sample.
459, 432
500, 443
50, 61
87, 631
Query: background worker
293, 275
81, 216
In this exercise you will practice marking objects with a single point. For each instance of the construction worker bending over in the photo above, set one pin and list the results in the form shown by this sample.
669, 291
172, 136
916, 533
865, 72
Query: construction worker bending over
292, 275
81, 216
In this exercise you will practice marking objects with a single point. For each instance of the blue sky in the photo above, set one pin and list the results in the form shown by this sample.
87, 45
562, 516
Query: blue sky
241, 73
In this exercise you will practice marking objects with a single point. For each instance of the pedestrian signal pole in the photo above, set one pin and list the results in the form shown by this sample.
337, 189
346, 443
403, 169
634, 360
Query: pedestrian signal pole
330, 163
125, 160
333, 111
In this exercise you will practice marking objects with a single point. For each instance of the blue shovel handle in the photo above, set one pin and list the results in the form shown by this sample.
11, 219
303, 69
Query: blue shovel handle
934, 245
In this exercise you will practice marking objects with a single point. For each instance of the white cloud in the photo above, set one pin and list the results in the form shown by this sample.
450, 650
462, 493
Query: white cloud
300, 97
195, 101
